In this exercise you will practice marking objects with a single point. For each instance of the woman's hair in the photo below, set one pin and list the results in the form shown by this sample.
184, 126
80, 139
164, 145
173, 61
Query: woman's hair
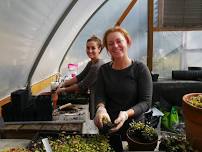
117, 29
97, 40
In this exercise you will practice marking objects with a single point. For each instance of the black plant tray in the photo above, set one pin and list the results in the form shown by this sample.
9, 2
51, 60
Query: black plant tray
114, 140
74, 98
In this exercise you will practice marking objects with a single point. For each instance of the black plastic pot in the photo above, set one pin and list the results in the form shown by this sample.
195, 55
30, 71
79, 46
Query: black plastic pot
44, 108
135, 145
154, 77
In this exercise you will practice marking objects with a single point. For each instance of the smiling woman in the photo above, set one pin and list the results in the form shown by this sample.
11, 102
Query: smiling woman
124, 85
86, 79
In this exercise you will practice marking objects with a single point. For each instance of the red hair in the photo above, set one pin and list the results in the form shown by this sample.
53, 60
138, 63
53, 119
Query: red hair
120, 30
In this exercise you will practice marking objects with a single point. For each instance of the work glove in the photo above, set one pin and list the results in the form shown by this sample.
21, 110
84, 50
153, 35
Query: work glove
123, 116
101, 115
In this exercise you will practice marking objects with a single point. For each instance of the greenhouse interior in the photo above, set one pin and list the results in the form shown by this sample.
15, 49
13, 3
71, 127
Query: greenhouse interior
65, 73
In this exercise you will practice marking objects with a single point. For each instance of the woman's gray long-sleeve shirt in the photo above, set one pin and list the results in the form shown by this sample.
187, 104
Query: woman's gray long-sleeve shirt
87, 78
123, 89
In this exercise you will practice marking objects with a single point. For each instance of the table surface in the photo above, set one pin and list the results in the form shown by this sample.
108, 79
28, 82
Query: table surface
26, 129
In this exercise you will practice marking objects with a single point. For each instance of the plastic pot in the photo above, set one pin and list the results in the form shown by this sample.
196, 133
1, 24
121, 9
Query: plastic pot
135, 145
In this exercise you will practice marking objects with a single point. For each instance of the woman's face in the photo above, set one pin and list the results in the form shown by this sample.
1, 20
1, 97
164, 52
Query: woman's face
92, 50
117, 45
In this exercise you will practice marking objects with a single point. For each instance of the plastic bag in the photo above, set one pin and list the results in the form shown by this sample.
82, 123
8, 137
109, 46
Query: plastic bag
165, 121
170, 120
174, 118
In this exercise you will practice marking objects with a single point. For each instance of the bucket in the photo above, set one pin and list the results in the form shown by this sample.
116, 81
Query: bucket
193, 121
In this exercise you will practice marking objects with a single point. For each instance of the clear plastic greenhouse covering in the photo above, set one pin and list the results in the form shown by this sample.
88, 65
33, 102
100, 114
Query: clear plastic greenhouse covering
24, 28
48, 28
39, 38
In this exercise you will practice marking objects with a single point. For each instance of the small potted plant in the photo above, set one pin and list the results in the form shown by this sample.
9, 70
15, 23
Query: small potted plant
141, 136
171, 142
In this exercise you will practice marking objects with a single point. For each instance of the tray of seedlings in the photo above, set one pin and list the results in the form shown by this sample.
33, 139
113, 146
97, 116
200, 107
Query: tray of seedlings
75, 98
70, 142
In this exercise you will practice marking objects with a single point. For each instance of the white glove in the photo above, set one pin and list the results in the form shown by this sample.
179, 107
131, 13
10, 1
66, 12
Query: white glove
100, 115
123, 116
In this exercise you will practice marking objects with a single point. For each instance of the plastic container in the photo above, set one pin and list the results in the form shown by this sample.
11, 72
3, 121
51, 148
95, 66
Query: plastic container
134, 145
72, 70
54, 85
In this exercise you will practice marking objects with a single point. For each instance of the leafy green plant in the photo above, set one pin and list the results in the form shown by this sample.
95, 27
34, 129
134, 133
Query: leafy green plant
142, 132
76, 143
175, 143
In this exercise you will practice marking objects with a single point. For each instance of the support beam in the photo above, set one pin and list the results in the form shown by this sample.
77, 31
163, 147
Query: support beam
125, 13
150, 35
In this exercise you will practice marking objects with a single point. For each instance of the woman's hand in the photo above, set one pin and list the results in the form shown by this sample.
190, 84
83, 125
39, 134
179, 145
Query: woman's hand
59, 90
101, 115
54, 97
123, 116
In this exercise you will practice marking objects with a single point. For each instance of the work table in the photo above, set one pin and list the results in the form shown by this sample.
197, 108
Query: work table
27, 129
172, 91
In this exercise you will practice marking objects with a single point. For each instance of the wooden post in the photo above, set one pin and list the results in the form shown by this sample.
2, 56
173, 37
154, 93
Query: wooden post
125, 13
150, 35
